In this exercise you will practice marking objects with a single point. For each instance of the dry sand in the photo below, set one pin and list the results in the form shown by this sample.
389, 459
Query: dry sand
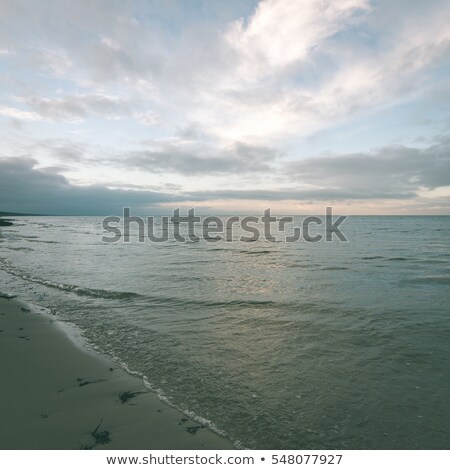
54, 394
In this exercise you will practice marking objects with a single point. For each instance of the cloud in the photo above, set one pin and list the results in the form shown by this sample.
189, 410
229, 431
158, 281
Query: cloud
128, 57
229, 93
389, 171
287, 69
304, 66
53, 60
25, 188
19, 114
184, 155
420, 176
193, 158
281, 33
78, 107
149, 118
65, 151
293, 194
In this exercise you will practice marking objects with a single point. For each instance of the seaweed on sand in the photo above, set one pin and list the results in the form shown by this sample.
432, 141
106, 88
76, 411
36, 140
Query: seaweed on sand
86, 446
125, 396
83, 383
100, 437
193, 429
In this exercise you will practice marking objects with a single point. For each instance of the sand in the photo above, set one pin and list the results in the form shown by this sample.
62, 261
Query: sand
54, 394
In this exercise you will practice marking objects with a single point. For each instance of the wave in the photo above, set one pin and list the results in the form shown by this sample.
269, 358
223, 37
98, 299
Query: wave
155, 299
73, 288
5, 295
395, 258
19, 248
433, 261
335, 268
440, 280
238, 303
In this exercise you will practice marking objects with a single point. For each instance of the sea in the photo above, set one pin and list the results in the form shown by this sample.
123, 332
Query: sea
275, 345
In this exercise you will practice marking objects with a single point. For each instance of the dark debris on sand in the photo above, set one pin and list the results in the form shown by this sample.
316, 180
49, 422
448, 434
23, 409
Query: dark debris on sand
83, 383
101, 438
86, 446
193, 429
125, 396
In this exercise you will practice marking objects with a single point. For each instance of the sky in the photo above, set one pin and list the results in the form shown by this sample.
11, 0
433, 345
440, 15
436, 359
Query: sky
228, 107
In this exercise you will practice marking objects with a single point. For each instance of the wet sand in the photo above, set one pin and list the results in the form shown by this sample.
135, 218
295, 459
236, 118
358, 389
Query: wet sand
56, 395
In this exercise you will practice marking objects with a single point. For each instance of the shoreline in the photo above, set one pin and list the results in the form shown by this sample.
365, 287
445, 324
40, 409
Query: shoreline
58, 395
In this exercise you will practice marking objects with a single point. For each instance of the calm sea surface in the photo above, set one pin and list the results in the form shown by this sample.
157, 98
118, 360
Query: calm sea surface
277, 345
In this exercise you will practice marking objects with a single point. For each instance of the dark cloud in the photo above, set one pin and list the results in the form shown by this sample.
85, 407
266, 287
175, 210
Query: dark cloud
192, 160
293, 194
389, 172
23, 188
178, 156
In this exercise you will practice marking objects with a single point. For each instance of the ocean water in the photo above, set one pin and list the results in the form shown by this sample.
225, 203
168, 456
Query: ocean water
275, 345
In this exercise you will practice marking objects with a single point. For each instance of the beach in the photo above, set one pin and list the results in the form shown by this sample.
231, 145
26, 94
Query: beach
273, 345
56, 395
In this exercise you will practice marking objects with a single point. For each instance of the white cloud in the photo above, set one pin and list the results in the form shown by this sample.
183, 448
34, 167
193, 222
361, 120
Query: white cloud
109, 42
15, 113
267, 95
75, 108
284, 32
149, 118
286, 70
53, 61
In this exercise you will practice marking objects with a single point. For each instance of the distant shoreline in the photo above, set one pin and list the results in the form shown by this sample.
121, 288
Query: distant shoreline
20, 214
